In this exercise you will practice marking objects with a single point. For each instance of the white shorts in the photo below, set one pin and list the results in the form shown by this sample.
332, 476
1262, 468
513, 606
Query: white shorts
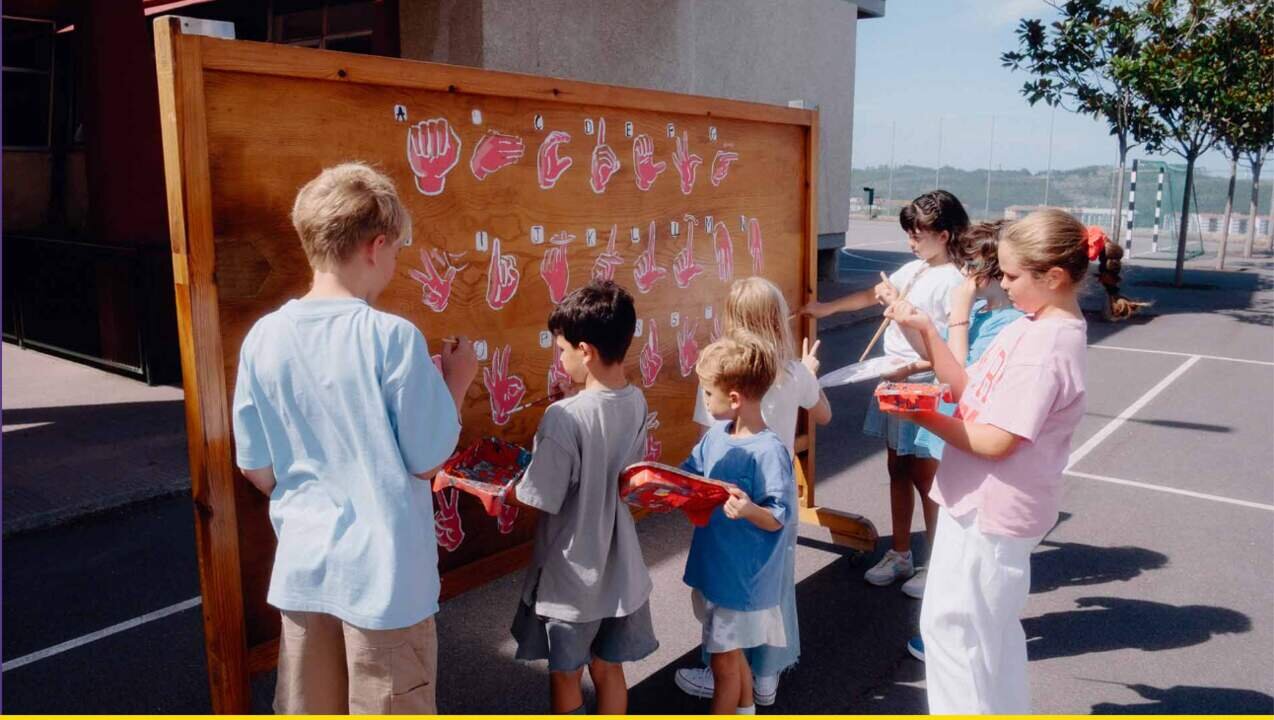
725, 629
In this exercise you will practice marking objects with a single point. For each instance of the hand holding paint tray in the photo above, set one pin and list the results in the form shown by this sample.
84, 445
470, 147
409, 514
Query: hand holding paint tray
663, 488
911, 397
485, 470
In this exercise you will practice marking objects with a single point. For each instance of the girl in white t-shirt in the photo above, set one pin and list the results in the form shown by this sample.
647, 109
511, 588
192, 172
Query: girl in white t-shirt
757, 305
933, 223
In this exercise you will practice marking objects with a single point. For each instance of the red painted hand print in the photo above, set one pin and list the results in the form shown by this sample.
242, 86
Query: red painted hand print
755, 248
650, 361
604, 265
686, 163
502, 277
507, 516
723, 248
721, 166
494, 151
433, 149
654, 448
435, 279
684, 266
605, 162
715, 335
505, 391
645, 169
646, 272
549, 164
687, 347
447, 528
556, 272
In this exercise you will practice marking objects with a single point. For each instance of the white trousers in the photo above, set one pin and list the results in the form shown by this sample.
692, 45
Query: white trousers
970, 620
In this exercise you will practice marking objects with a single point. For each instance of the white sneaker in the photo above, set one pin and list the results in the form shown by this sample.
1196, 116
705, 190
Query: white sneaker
892, 567
698, 682
915, 587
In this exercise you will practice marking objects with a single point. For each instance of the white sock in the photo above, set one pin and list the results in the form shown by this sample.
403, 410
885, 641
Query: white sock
749, 710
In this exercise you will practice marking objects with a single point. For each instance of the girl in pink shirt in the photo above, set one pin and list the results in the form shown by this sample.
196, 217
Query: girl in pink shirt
1000, 481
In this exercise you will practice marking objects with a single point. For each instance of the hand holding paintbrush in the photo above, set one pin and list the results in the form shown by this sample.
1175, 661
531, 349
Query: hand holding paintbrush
887, 295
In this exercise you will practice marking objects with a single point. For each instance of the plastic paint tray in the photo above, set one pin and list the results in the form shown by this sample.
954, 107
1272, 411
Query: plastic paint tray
911, 397
484, 470
871, 369
662, 488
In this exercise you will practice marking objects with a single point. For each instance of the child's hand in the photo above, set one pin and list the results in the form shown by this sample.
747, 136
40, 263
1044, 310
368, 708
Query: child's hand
817, 309
886, 293
908, 316
739, 505
809, 355
962, 297
459, 361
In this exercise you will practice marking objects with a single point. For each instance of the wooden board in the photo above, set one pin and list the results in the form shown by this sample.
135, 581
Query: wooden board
246, 124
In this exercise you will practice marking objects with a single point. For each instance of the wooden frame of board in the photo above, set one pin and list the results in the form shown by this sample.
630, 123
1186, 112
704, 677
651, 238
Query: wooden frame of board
230, 184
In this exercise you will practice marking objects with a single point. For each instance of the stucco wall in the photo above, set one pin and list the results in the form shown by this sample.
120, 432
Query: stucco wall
763, 50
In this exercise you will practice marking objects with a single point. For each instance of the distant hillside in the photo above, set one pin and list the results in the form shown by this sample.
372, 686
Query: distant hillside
1091, 186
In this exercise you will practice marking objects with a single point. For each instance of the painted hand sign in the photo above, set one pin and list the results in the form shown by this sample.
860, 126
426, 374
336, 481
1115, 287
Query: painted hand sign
645, 169
654, 448
715, 335
686, 163
555, 271
604, 265
605, 162
447, 527
755, 248
650, 361
502, 277
435, 279
559, 380
684, 266
433, 149
549, 164
646, 272
721, 166
723, 248
494, 151
504, 390
687, 347
506, 518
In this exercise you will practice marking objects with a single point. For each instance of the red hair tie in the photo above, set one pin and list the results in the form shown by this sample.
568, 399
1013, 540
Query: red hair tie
1096, 242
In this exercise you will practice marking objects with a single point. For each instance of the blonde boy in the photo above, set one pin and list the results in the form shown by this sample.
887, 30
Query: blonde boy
341, 419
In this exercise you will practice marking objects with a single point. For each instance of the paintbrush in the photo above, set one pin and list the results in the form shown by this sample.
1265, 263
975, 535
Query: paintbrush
885, 323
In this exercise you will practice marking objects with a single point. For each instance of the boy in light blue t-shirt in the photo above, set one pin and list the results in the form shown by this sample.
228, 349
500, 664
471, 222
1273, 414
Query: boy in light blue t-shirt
736, 561
341, 419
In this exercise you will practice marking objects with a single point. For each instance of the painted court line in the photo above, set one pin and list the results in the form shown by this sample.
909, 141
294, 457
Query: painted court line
1174, 491
1183, 354
1128, 412
103, 633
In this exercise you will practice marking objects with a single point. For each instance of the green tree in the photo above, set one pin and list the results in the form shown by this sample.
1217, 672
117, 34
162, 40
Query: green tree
1071, 65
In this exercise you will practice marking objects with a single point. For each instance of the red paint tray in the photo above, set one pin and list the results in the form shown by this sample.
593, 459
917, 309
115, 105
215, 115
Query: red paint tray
911, 397
484, 470
661, 488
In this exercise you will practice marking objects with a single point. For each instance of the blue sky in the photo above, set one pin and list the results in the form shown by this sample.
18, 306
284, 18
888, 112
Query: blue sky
931, 59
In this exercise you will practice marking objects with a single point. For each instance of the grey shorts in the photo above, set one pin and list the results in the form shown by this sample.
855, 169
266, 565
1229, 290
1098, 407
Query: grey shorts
569, 646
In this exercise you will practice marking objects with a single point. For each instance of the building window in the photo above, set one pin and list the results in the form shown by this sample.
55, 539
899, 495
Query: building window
348, 26
28, 82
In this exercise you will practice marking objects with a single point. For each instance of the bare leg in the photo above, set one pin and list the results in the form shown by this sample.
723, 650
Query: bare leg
745, 681
727, 682
901, 501
922, 472
565, 691
612, 688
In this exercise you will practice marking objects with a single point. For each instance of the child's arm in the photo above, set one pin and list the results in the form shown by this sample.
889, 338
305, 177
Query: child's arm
980, 439
261, 478
883, 293
740, 506
459, 367
821, 412
961, 314
948, 369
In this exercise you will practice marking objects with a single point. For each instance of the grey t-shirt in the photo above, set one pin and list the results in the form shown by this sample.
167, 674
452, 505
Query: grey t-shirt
587, 563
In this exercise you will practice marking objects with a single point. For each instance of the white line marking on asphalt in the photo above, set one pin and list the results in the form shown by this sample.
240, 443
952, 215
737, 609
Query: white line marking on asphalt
1183, 354
1174, 491
873, 260
1128, 412
95, 636
899, 243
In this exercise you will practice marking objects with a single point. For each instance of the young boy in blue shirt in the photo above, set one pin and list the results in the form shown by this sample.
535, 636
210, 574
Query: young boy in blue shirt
341, 419
735, 564
585, 598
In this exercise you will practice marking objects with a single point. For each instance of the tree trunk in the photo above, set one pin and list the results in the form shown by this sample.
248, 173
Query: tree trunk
1251, 212
1118, 216
1185, 220
1270, 220
1229, 208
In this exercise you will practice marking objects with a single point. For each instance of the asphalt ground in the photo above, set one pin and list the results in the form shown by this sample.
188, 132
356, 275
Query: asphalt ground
1153, 594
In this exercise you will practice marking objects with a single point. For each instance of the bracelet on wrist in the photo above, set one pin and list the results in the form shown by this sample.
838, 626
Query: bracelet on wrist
957, 324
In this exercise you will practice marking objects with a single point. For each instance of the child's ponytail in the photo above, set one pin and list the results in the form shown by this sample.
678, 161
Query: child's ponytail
1109, 264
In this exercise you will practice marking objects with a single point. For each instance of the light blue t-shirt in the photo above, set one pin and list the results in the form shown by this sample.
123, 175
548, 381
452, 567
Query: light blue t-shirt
983, 327
343, 402
734, 563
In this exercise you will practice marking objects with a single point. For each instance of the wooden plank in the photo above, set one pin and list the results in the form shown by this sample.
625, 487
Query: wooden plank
282, 60
809, 291
180, 77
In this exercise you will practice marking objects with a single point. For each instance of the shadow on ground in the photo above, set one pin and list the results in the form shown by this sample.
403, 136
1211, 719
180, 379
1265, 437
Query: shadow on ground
1189, 700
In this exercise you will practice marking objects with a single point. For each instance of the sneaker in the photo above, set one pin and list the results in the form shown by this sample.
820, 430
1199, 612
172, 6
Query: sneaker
697, 682
892, 566
915, 587
916, 647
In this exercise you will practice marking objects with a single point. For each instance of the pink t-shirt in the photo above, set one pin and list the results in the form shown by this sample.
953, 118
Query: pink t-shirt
1030, 382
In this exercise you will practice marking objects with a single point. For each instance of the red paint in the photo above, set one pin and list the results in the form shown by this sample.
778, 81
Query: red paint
911, 397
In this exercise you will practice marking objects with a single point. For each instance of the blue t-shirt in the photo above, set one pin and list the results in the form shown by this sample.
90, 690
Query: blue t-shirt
343, 402
983, 327
734, 563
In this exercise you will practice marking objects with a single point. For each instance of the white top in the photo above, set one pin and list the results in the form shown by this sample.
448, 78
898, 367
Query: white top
794, 388
931, 294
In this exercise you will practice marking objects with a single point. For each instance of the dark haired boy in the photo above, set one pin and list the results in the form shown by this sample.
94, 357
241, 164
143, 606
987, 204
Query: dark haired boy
584, 601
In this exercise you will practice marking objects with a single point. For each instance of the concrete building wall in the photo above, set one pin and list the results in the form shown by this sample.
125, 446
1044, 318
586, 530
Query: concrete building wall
768, 51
